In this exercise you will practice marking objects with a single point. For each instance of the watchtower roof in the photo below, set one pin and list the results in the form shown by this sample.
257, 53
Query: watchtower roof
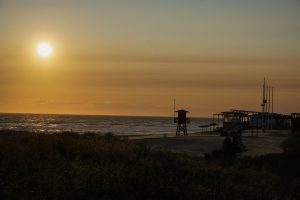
182, 110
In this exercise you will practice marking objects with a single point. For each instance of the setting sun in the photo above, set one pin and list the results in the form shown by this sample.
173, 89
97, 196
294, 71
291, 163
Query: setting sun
44, 49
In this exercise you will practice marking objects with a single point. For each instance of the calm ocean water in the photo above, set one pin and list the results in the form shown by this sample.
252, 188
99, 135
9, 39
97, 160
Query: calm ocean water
118, 125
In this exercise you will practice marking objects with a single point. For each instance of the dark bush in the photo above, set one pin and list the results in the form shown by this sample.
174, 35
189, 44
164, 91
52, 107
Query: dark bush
291, 146
230, 151
68, 166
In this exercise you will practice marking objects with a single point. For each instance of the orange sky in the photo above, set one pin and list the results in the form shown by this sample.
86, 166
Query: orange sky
135, 57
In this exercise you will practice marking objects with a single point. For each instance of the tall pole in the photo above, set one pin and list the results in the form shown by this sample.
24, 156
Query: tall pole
263, 106
272, 99
269, 106
269, 101
174, 108
263, 96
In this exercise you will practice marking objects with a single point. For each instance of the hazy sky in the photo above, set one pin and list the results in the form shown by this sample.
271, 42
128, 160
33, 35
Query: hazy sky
133, 57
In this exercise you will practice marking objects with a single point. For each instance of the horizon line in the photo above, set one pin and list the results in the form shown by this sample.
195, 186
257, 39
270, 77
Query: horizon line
100, 115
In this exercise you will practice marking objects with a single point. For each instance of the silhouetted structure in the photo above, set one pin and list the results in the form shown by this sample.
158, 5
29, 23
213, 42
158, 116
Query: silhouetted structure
267, 105
181, 121
271, 121
206, 127
295, 122
238, 120
235, 121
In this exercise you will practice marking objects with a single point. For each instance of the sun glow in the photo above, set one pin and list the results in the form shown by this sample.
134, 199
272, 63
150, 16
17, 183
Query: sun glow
44, 49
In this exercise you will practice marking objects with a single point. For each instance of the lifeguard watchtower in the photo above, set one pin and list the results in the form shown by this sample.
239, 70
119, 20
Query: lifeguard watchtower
181, 121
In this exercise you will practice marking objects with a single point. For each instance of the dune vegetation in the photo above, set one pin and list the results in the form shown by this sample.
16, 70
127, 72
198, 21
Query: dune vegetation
88, 166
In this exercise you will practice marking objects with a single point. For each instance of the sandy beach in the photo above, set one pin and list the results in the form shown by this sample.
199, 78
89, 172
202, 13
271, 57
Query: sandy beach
198, 145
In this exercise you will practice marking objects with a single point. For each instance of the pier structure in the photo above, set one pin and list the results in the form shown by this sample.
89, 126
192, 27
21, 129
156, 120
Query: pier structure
275, 121
235, 121
208, 128
240, 120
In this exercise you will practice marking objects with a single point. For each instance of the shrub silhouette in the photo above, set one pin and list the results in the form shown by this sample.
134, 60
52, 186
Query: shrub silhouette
291, 146
90, 166
230, 151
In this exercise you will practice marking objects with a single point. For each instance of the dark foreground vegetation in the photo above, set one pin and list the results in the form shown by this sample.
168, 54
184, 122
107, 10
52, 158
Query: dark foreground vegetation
71, 166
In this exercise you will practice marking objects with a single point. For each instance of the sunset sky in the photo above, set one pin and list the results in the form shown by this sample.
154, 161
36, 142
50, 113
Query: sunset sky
133, 57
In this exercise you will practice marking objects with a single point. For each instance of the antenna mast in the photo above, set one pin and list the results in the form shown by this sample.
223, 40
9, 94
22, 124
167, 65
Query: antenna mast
269, 101
272, 99
174, 107
264, 101
269, 107
264, 96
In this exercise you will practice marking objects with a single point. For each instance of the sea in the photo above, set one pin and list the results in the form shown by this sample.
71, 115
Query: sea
118, 125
